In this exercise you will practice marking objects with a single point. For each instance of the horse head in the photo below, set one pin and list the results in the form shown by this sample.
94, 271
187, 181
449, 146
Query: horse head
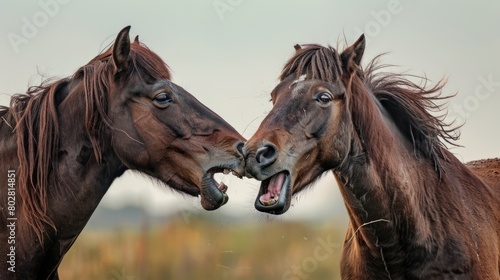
308, 130
159, 128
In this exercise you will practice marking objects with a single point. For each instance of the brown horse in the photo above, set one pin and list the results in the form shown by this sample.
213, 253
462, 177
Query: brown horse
63, 143
416, 212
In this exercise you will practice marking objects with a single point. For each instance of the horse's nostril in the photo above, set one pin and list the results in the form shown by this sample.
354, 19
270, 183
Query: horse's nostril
266, 155
239, 148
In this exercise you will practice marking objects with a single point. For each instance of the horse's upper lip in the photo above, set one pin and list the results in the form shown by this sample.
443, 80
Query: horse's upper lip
213, 194
275, 194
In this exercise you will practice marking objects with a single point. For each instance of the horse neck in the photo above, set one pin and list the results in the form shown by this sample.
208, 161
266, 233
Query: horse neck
82, 178
383, 183
77, 181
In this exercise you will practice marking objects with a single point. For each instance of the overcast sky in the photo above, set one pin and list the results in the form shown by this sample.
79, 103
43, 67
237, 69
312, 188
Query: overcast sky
229, 53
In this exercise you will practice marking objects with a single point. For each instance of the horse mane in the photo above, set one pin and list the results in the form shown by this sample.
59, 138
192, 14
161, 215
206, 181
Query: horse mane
418, 110
410, 106
314, 61
36, 125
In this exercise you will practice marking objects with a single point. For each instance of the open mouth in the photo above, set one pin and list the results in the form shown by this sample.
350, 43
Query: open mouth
213, 194
275, 194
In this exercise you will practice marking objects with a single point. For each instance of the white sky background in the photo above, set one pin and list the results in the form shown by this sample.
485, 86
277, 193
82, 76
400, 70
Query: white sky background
230, 60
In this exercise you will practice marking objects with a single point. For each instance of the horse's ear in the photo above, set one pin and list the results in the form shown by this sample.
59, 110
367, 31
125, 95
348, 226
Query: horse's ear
121, 50
353, 53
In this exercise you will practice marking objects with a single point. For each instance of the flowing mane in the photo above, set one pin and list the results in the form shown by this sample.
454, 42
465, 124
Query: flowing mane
33, 118
412, 107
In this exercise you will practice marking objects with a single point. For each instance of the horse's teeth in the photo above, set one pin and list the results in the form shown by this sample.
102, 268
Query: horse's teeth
222, 187
226, 171
268, 203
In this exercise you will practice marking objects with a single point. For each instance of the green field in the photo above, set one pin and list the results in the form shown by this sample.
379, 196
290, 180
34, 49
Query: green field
203, 249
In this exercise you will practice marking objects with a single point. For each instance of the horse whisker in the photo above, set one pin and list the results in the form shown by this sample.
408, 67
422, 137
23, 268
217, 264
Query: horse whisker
130, 137
366, 224
246, 127
385, 264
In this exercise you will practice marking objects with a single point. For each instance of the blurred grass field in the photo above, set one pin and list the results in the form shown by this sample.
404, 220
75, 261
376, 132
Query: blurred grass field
204, 249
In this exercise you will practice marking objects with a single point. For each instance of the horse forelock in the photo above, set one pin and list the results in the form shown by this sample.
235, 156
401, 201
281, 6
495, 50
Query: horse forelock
411, 106
315, 62
142, 61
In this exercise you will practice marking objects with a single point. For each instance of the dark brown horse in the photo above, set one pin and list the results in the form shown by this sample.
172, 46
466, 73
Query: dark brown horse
63, 143
416, 212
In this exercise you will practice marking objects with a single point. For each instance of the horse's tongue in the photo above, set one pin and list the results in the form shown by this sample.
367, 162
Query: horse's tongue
273, 189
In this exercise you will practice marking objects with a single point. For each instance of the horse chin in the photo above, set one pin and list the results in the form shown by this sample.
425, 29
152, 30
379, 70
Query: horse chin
275, 194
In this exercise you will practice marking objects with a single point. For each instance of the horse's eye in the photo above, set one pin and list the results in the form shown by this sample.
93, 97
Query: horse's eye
162, 99
324, 98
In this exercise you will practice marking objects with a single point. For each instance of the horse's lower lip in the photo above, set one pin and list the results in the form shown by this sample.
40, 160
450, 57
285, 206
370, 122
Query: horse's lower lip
282, 202
213, 194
